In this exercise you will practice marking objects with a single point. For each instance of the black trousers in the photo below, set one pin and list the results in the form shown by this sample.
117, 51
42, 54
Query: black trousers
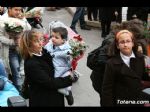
92, 12
105, 25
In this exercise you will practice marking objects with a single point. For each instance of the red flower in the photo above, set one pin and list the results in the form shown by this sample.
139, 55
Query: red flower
74, 64
78, 38
81, 53
78, 48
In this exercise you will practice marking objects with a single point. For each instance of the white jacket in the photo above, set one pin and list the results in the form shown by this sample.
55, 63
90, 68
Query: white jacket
5, 42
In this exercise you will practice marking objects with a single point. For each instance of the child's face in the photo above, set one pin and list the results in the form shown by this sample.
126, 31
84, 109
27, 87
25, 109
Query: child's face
125, 44
57, 39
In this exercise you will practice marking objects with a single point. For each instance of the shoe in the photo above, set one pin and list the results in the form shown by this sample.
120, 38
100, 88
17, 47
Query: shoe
70, 98
85, 27
74, 30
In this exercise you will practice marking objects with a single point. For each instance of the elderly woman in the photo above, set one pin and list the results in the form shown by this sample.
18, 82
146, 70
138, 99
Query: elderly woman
39, 72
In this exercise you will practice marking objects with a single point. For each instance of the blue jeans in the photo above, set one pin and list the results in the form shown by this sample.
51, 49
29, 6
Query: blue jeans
79, 15
15, 60
2, 69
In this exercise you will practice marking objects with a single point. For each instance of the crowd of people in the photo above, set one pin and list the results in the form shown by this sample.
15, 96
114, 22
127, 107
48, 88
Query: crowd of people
47, 64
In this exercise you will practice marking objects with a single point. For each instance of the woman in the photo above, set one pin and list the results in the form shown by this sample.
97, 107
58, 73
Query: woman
39, 72
123, 74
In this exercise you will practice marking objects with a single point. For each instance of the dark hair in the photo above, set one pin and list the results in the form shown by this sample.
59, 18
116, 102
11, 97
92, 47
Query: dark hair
62, 31
115, 28
136, 26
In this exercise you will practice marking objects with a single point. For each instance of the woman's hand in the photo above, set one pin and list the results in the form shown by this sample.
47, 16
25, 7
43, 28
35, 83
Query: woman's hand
17, 41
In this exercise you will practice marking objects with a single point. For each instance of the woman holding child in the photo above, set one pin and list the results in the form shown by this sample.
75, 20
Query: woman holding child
39, 72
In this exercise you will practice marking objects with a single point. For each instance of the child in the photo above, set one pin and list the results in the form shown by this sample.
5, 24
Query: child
59, 49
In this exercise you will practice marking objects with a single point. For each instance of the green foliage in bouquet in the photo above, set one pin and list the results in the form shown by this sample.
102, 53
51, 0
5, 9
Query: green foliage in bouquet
13, 28
78, 47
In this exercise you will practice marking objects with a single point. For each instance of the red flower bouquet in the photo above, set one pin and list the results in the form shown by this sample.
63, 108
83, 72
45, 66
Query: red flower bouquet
78, 48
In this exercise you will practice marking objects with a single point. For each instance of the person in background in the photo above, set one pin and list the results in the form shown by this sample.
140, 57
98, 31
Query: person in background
10, 55
124, 73
131, 13
117, 17
138, 12
35, 20
105, 16
79, 15
39, 72
92, 13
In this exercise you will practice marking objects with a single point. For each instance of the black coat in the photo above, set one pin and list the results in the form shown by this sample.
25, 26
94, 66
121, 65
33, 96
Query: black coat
97, 79
43, 86
123, 83
99, 69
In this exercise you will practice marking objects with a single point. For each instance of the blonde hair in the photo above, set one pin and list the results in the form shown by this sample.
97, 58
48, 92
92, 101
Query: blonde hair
122, 32
26, 41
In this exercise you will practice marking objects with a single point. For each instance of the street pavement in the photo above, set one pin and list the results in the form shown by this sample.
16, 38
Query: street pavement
83, 92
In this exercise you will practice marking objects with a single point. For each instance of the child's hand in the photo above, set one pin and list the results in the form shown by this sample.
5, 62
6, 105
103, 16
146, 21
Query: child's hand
71, 75
74, 76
